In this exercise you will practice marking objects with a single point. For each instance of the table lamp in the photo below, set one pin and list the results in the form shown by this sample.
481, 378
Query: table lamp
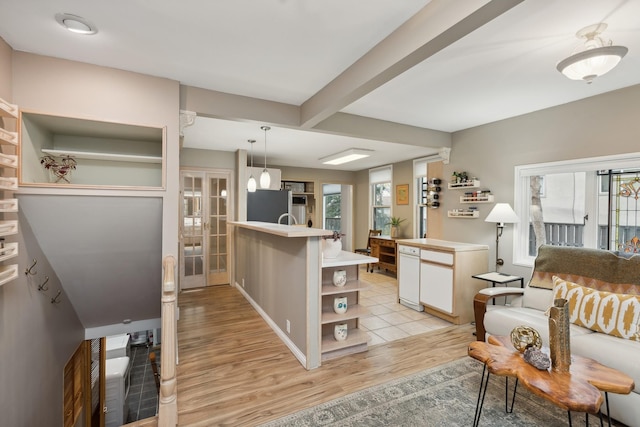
501, 214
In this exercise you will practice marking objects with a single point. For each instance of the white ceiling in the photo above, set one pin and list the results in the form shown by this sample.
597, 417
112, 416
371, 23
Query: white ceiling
288, 51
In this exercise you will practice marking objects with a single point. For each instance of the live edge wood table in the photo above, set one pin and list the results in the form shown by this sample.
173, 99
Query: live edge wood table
578, 390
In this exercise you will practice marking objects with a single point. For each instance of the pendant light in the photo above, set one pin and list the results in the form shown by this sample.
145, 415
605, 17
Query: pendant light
251, 184
593, 58
265, 178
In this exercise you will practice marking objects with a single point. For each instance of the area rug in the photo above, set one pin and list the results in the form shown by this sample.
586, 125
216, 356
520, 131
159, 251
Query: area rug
442, 396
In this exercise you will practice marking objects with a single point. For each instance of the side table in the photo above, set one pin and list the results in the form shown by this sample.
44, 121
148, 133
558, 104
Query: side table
578, 390
499, 278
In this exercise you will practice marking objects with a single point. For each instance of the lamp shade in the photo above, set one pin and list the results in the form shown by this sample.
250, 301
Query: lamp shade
251, 184
265, 179
502, 213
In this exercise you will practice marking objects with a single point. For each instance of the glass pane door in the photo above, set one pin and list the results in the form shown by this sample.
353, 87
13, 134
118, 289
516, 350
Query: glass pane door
217, 230
624, 224
192, 260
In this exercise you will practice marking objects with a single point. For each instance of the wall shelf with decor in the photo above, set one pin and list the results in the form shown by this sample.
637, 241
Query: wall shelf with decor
474, 183
480, 197
463, 213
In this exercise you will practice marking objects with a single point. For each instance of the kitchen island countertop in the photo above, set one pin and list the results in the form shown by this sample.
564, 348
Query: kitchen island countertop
442, 245
282, 230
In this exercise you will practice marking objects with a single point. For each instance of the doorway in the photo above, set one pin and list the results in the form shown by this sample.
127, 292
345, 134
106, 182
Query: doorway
337, 211
207, 204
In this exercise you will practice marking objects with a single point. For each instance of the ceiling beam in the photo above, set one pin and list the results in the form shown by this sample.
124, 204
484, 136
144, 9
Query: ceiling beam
436, 26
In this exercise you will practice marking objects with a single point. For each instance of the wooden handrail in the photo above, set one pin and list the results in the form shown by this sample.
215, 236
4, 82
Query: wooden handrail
168, 405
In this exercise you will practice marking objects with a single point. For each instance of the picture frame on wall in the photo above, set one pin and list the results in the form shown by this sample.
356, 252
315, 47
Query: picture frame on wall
402, 194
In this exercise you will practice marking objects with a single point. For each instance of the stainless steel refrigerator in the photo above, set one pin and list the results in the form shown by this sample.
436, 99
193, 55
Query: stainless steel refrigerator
269, 205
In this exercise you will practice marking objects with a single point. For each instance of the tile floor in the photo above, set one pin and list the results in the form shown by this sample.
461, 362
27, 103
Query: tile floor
143, 395
390, 320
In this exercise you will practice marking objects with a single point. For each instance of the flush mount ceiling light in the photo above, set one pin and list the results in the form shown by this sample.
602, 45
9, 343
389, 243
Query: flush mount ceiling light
346, 156
76, 24
593, 58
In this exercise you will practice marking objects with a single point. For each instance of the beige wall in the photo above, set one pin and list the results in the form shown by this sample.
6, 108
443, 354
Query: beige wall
403, 174
597, 126
37, 337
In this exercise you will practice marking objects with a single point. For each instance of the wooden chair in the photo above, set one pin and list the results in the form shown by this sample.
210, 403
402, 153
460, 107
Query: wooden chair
367, 250
154, 366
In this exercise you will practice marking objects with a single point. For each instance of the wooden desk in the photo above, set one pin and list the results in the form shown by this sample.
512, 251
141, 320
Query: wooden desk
384, 248
577, 390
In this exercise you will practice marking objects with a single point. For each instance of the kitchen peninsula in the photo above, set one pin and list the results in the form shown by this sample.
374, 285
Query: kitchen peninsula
279, 270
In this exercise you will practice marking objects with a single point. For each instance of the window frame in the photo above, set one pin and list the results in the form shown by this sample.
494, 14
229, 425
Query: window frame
522, 195
384, 175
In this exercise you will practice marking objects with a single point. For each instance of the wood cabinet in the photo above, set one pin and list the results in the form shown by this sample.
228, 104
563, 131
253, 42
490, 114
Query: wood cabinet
356, 341
446, 286
9, 140
384, 248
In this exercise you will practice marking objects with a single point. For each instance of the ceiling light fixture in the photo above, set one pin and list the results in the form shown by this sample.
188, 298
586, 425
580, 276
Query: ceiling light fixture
593, 58
251, 184
76, 24
265, 178
349, 155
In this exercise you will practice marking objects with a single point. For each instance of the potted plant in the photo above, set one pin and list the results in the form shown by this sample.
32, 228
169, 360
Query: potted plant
395, 222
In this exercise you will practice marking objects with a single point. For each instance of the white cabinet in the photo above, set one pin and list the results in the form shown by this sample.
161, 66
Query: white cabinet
436, 286
446, 286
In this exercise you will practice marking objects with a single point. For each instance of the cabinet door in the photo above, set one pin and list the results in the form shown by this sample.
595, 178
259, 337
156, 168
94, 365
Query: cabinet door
436, 286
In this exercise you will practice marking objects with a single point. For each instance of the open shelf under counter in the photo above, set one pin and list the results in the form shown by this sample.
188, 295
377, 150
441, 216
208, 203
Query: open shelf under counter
350, 286
8, 161
347, 258
9, 205
356, 342
8, 183
7, 228
8, 110
353, 312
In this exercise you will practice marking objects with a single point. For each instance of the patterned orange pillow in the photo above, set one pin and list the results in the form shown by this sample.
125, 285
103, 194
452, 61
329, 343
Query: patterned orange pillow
601, 311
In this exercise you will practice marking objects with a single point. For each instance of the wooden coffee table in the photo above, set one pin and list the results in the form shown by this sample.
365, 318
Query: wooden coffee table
576, 391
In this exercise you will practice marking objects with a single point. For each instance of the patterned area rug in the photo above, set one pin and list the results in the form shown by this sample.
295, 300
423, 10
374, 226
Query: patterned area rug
442, 396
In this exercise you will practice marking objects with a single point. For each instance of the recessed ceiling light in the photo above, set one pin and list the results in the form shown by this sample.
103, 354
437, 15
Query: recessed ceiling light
349, 155
76, 24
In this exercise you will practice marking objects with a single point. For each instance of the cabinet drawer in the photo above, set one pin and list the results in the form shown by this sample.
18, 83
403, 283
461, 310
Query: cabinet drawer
387, 243
439, 257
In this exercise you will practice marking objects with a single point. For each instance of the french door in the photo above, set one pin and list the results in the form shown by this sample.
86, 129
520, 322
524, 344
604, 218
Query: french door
204, 240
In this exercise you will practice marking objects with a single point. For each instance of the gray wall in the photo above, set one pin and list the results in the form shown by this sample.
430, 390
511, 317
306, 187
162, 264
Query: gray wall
601, 125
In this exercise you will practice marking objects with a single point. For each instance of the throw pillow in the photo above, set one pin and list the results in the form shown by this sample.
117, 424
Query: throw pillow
601, 311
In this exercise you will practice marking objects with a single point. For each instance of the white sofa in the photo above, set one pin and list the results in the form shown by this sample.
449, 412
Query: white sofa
602, 270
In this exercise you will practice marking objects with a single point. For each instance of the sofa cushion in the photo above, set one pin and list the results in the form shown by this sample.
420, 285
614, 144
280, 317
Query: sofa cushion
610, 351
540, 299
501, 321
607, 312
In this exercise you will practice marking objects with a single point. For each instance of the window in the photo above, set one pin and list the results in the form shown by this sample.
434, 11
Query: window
332, 206
380, 182
570, 204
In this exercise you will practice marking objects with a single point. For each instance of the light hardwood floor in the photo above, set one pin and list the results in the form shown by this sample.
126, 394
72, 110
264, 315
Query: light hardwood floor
234, 371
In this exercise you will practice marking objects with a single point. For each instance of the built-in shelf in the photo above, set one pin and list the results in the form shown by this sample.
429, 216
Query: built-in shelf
8, 228
9, 251
355, 338
350, 286
463, 185
9, 205
8, 183
463, 214
477, 199
353, 312
8, 273
89, 155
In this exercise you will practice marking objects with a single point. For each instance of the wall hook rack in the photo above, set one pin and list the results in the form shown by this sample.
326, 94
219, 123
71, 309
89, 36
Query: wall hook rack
42, 287
30, 271
56, 299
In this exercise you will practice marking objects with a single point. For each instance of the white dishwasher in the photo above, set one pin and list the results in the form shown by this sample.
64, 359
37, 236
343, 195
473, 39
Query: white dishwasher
409, 277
